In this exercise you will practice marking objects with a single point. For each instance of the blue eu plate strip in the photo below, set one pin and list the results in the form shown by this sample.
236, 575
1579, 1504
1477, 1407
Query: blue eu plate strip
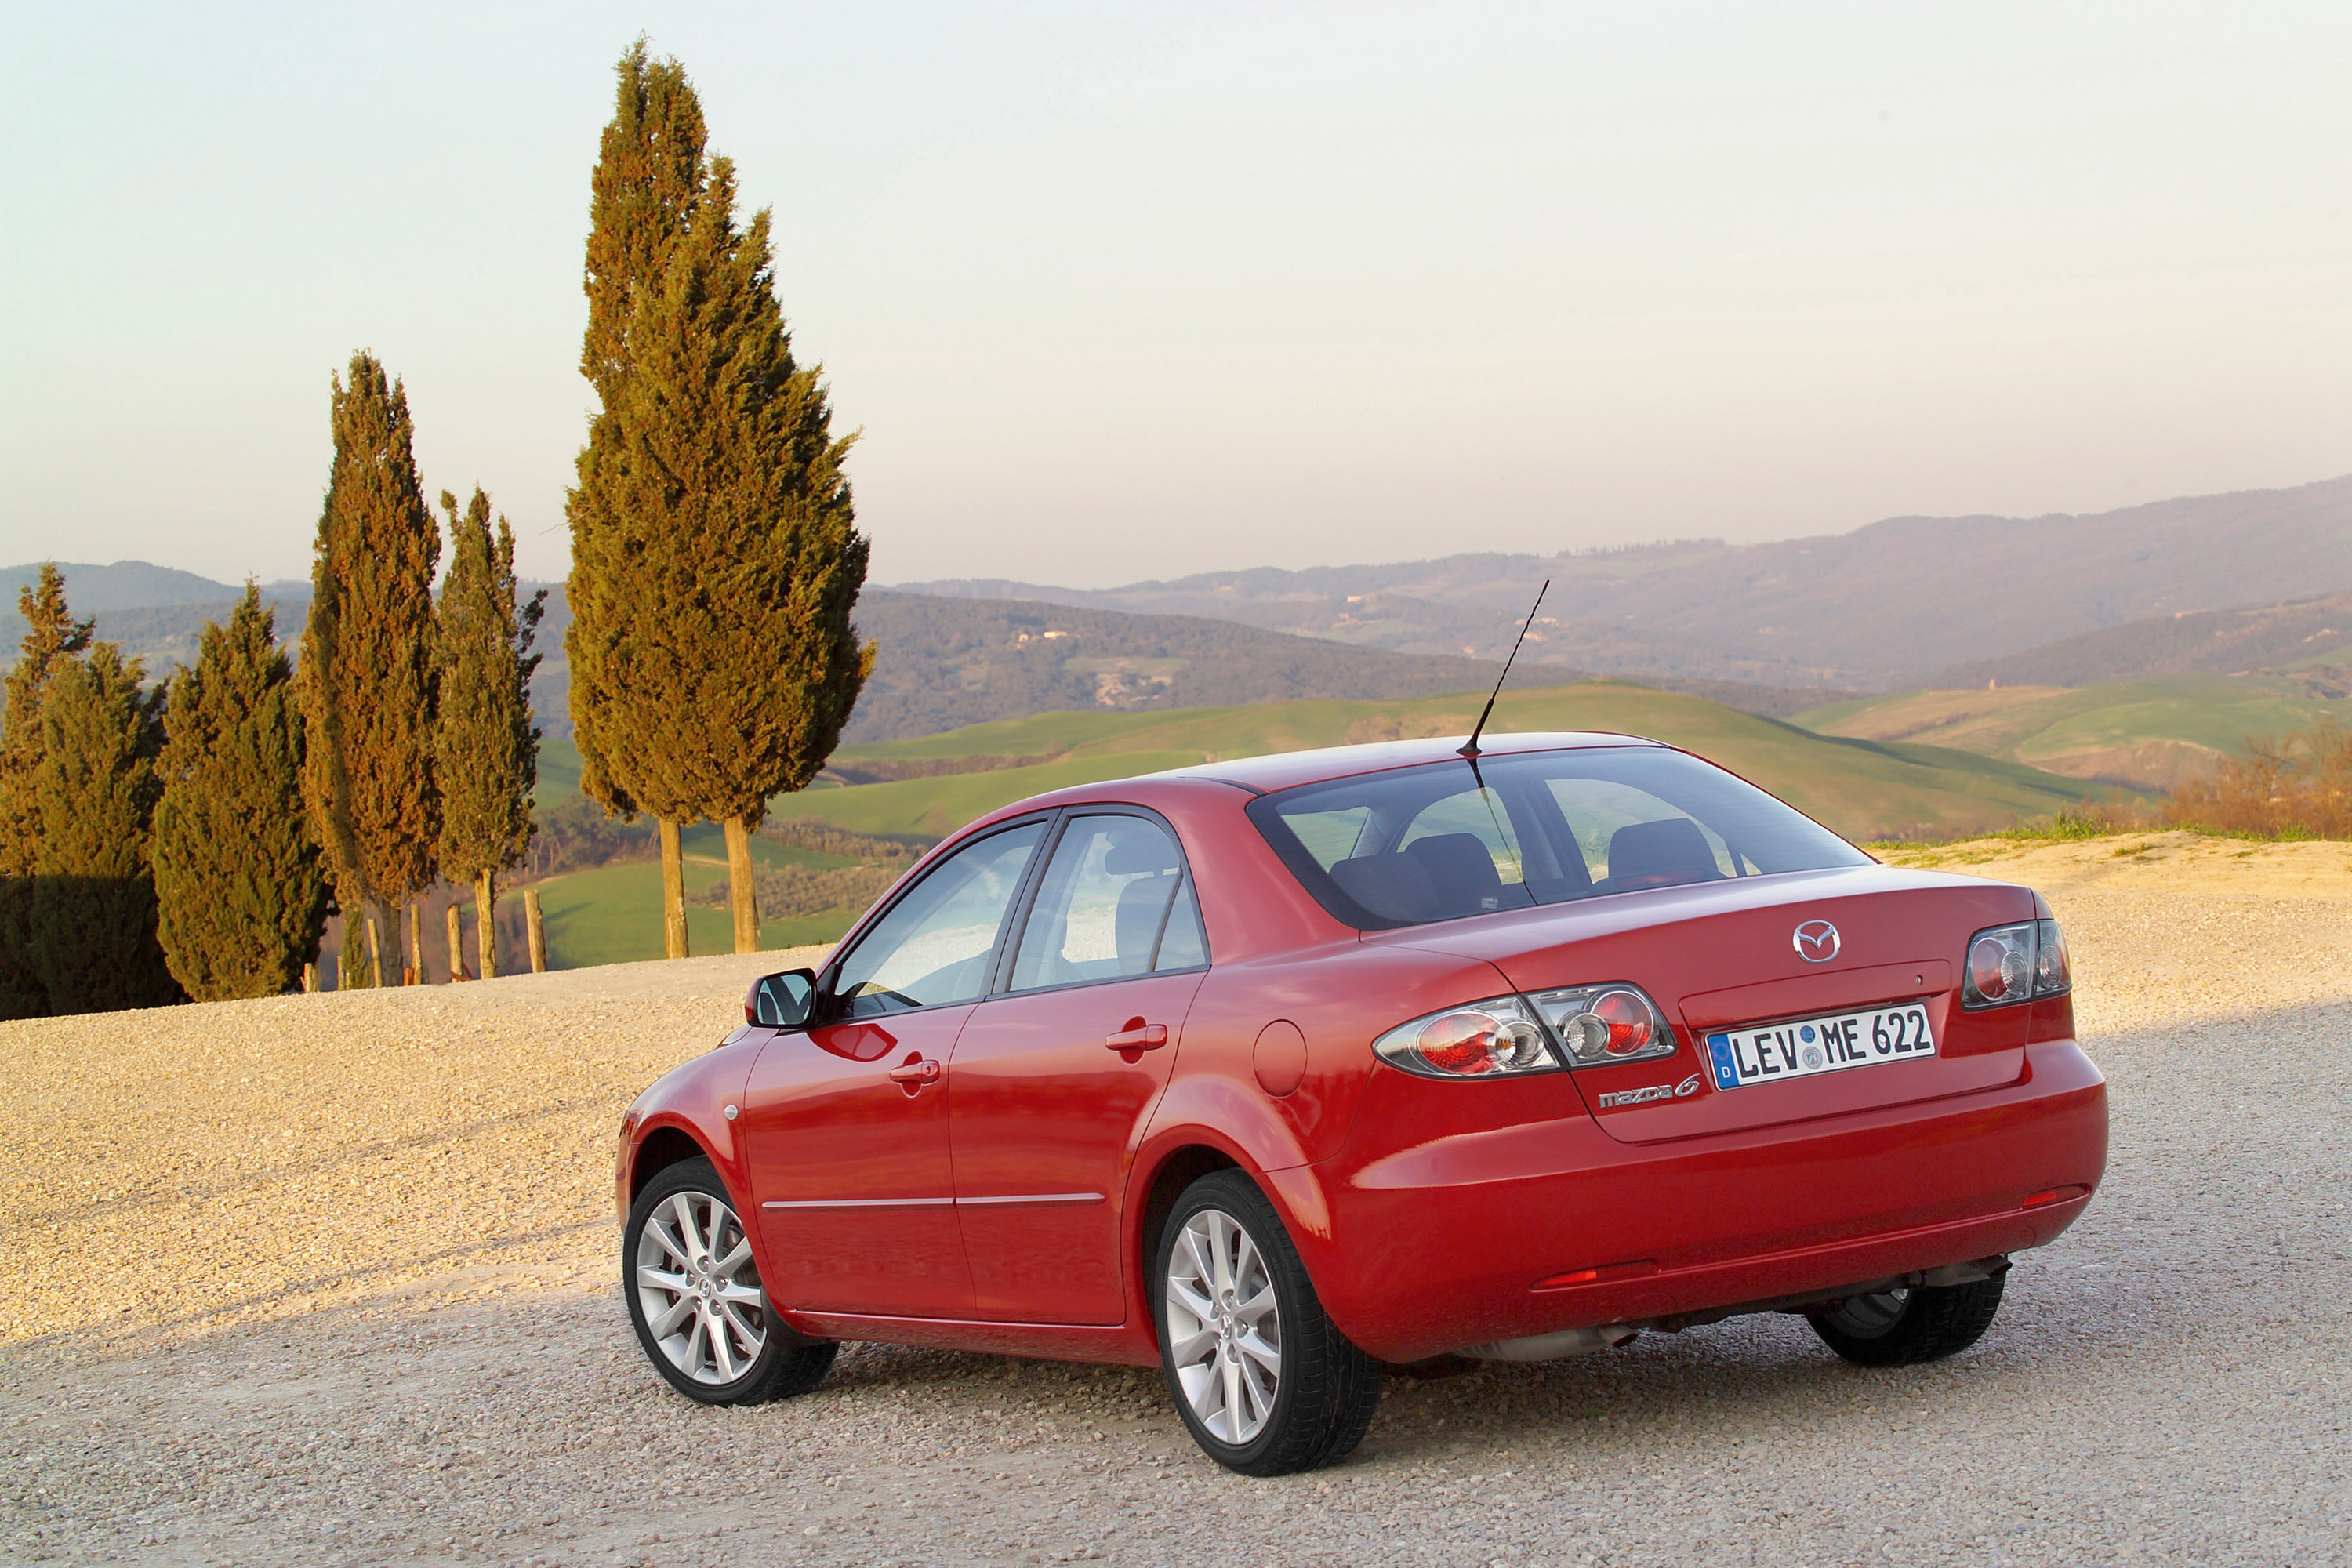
1718, 1047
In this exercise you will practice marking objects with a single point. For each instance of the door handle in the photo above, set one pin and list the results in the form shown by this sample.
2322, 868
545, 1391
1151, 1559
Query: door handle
1138, 1036
916, 1072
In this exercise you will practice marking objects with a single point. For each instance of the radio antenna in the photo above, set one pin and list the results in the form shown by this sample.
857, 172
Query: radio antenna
1470, 747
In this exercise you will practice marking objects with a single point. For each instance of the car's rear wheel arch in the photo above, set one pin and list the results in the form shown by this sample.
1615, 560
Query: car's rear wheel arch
659, 1150
1181, 1168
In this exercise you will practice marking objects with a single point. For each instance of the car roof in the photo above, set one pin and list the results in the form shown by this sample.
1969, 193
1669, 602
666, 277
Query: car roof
1286, 770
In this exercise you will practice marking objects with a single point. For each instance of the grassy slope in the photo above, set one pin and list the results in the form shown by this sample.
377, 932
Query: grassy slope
1862, 788
611, 914
2089, 730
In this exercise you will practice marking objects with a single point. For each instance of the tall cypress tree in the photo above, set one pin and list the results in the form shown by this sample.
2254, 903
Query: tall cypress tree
485, 749
93, 797
52, 637
723, 499
367, 680
241, 900
733, 463
646, 192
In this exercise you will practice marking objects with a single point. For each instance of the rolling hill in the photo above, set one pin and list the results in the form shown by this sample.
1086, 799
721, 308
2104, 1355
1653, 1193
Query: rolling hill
1863, 789
2147, 734
2310, 638
1882, 608
943, 664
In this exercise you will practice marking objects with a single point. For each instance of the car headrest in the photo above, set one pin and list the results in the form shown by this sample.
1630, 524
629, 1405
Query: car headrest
1669, 851
1137, 923
1462, 870
1138, 846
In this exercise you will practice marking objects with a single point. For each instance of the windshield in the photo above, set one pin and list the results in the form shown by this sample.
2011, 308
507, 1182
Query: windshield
1445, 841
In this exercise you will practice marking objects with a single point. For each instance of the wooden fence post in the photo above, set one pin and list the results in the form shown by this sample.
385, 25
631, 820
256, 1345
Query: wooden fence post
310, 979
375, 956
537, 928
457, 947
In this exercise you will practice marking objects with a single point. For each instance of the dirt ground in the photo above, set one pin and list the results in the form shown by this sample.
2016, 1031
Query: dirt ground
333, 1279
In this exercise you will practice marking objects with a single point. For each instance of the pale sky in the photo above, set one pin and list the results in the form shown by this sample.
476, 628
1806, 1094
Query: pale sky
1119, 292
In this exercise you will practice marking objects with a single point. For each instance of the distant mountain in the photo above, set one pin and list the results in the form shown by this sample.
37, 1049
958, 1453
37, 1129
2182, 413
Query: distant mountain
126, 585
944, 664
2311, 639
1884, 607
948, 664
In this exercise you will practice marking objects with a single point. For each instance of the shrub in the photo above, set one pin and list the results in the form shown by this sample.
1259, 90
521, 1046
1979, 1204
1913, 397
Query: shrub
2296, 785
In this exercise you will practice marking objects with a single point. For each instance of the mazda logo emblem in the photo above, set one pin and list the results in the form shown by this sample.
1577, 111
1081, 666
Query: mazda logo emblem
1816, 942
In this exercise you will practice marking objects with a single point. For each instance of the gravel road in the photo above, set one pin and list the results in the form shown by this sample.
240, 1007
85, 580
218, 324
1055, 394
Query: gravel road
331, 1279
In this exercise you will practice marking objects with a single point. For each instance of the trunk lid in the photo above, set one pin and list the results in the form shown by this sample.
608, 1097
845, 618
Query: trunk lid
1722, 957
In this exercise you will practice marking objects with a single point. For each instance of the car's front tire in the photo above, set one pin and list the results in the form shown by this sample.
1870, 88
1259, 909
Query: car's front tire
694, 1296
1264, 1379
1904, 1327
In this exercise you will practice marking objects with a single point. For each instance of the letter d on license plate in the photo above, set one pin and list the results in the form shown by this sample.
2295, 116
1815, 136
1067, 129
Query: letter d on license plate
1767, 1053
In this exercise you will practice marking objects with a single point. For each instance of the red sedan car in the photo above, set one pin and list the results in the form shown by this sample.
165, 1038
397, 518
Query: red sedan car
1271, 1072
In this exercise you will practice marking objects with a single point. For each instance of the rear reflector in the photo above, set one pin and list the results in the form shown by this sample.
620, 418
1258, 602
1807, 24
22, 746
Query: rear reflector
2053, 1196
1605, 1272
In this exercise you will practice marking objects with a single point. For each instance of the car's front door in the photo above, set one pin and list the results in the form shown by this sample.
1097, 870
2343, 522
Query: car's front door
846, 1124
1052, 1081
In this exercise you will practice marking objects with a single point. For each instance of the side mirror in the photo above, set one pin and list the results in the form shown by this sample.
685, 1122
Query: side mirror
781, 1001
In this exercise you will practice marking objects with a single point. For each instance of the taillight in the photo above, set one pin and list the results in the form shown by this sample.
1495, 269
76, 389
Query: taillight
2015, 963
1484, 1039
1600, 1024
1577, 1026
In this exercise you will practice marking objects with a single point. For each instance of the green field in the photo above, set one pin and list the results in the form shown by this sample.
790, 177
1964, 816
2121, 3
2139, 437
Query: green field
611, 914
1865, 789
2148, 733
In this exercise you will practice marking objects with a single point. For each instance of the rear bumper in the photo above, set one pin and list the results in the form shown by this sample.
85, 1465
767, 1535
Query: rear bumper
1420, 1249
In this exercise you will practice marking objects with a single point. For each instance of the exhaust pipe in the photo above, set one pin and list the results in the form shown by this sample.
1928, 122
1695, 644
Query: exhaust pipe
1554, 1347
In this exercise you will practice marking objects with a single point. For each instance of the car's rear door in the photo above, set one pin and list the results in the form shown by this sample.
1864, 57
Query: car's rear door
1054, 1078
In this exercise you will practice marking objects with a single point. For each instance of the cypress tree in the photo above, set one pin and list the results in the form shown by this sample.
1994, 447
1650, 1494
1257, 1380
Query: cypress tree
93, 797
241, 899
52, 637
734, 462
366, 684
485, 749
721, 493
645, 192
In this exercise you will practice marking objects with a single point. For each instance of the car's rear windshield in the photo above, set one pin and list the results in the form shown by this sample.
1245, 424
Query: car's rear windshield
1445, 841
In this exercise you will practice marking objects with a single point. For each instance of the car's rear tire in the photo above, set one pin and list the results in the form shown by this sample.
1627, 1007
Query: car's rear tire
1904, 1327
1264, 1381
696, 1300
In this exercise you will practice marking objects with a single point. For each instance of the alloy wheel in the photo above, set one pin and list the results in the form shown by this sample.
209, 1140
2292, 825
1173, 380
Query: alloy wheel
699, 1290
1224, 1327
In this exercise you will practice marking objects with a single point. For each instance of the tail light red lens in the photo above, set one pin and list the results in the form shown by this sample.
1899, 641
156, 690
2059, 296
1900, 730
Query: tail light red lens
1999, 970
1631, 1026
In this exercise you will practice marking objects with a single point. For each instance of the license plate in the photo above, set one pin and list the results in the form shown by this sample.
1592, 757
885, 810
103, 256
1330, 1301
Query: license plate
1768, 1053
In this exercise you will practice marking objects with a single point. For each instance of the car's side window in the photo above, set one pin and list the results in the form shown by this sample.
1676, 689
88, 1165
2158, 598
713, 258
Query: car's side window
934, 946
1112, 899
